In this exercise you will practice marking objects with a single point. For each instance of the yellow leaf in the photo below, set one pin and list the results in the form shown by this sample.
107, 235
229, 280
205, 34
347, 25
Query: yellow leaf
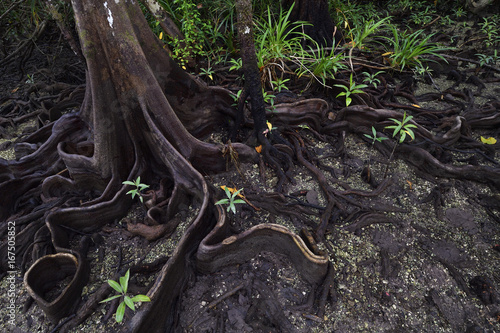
416, 105
232, 190
258, 149
269, 125
386, 54
183, 67
410, 134
161, 35
489, 141
210, 76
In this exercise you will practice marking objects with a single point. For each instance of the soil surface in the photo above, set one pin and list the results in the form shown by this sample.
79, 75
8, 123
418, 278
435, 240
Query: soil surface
430, 263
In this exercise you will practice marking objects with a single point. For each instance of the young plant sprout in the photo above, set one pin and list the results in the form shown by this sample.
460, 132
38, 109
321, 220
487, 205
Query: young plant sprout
138, 187
231, 199
121, 288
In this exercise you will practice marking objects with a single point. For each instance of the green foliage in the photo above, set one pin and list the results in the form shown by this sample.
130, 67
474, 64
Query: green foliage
121, 288
231, 199
223, 13
361, 33
199, 33
459, 12
279, 84
406, 6
21, 18
268, 98
371, 79
353, 88
320, 64
409, 50
31, 78
236, 97
420, 70
491, 59
237, 64
402, 128
374, 136
446, 20
347, 13
490, 29
277, 39
207, 72
423, 17
138, 187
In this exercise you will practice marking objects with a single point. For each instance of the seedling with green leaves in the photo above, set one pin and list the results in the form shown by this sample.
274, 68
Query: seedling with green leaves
236, 97
231, 199
237, 64
207, 72
371, 79
374, 136
31, 78
401, 128
121, 288
138, 187
279, 84
488, 59
353, 88
269, 99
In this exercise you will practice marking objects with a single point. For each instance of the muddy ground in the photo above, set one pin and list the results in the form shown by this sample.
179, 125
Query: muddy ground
431, 265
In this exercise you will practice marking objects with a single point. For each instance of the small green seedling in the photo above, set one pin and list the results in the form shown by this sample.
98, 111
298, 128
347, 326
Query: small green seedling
374, 137
31, 78
231, 199
138, 187
279, 84
121, 288
208, 72
269, 99
372, 79
402, 128
236, 97
237, 64
353, 88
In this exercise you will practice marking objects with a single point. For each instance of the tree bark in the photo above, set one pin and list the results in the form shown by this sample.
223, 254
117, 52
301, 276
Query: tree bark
316, 12
253, 85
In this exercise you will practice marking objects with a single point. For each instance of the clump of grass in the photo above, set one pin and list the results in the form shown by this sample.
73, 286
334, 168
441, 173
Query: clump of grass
276, 40
410, 49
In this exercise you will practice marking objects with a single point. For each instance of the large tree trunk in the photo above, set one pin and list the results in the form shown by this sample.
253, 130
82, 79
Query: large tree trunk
253, 86
316, 12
